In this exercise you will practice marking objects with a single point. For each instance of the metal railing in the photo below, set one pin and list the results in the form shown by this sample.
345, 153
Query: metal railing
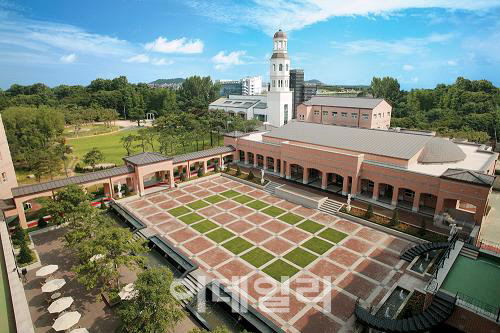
478, 306
489, 246
432, 286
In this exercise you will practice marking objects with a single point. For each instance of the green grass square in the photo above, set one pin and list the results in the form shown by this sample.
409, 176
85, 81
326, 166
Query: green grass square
257, 204
243, 199
197, 204
215, 199
279, 269
300, 257
219, 235
273, 211
230, 194
332, 235
317, 245
291, 218
191, 218
310, 226
178, 211
237, 245
257, 257
204, 226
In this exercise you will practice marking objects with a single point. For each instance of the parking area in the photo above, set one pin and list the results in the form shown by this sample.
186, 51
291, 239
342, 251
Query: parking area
302, 268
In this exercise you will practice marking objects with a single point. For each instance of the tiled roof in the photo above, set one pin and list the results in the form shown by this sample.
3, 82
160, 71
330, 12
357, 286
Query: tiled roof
346, 102
85, 178
202, 154
469, 176
146, 158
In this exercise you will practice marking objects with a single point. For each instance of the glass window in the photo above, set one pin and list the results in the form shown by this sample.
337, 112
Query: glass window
388, 114
344, 114
375, 115
287, 67
325, 113
274, 67
281, 67
316, 113
364, 116
354, 115
274, 83
4, 176
286, 113
334, 114
281, 45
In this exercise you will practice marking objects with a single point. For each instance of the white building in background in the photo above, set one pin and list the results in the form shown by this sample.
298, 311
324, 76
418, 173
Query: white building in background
274, 108
251, 85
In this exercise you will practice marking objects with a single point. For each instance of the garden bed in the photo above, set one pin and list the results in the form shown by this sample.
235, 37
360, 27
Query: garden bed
414, 306
400, 226
244, 176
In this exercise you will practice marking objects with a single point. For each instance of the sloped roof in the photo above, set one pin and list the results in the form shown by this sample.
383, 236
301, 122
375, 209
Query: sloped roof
202, 154
469, 176
439, 150
280, 33
146, 158
346, 102
85, 178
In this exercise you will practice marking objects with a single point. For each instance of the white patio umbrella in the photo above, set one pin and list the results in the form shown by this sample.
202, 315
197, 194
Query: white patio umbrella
53, 285
60, 305
65, 321
127, 292
46, 270
80, 330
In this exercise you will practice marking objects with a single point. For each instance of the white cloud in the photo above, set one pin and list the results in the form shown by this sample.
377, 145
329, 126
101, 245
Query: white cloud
68, 59
161, 62
405, 46
451, 63
181, 45
139, 58
223, 61
294, 15
408, 67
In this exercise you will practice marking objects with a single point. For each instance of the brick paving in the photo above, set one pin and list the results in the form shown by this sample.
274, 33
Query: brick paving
364, 264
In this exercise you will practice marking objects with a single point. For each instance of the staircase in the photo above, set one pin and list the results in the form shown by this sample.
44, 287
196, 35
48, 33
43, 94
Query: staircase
330, 206
415, 251
192, 287
469, 251
270, 187
439, 311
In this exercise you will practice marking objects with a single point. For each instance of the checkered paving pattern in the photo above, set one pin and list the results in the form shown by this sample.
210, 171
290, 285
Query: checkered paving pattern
234, 230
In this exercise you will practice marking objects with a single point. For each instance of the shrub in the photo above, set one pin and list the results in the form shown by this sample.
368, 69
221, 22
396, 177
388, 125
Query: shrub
250, 176
395, 218
103, 204
19, 237
25, 255
369, 212
126, 190
216, 167
238, 171
200, 172
183, 177
227, 168
41, 222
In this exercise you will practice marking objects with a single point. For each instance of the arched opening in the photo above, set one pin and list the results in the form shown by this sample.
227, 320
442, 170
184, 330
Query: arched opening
405, 198
241, 155
460, 212
366, 188
158, 178
314, 178
281, 67
296, 172
427, 203
334, 182
228, 159
385, 192
270, 163
250, 157
260, 161
34, 209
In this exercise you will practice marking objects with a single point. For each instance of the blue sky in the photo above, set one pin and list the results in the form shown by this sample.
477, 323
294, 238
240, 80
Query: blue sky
420, 42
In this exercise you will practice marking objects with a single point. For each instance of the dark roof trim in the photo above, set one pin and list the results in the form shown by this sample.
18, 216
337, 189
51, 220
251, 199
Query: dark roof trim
279, 56
129, 218
202, 154
235, 134
469, 176
146, 158
187, 264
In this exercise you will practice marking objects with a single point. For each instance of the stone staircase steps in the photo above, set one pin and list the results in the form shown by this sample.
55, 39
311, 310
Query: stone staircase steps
469, 252
270, 187
330, 206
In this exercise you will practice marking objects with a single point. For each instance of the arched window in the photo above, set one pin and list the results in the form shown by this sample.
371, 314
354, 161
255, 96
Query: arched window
281, 67
275, 45
274, 83
287, 67
281, 45
285, 45
274, 67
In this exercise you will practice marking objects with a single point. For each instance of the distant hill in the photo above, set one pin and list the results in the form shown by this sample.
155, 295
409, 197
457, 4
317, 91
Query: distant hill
168, 81
313, 81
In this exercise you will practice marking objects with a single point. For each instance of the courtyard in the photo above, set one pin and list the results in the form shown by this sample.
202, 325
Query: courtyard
310, 267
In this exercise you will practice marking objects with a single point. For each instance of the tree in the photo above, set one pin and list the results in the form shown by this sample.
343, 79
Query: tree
127, 142
63, 150
387, 88
93, 157
153, 309
25, 254
45, 163
218, 329
369, 212
69, 205
238, 171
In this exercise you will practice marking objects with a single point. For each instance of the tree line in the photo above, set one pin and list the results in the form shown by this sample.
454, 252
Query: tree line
466, 109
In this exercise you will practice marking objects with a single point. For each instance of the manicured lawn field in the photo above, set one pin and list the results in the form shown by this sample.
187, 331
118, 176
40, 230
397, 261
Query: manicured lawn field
300, 257
237, 245
291, 218
257, 204
204, 226
220, 235
198, 204
230, 193
243, 199
310, 226
332, 235
317, 245
273, 211
215, 199
257, 257
191, 218
178, 211
279, 269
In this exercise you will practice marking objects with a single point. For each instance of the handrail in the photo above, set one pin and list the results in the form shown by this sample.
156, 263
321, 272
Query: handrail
479, 306
489, 246
433, 289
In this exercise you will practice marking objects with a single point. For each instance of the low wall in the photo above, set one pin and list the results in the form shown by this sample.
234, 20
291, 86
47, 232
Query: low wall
246, 182
197, 180
299, 197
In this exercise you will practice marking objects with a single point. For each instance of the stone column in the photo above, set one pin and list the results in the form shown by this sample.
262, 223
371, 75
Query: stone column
282, 169
107, 190
265, 163
439, 205
395, 192
375, 191
305, 176
171, 178
288, 171
246, 157
324, 180
255, 160
345, 185
205, 167
20, 213
354, 186
275, 160
416, 202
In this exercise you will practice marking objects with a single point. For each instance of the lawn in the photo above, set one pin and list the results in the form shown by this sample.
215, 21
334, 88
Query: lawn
332, 235
237, 245
279, 269
204, 226
191, 218
273, 211
300, 257
219, 235
230, 193
317, 245
215, 199
310, 226
198, 204
291, 218
243, 199
257, 204
178, 211
257, 257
